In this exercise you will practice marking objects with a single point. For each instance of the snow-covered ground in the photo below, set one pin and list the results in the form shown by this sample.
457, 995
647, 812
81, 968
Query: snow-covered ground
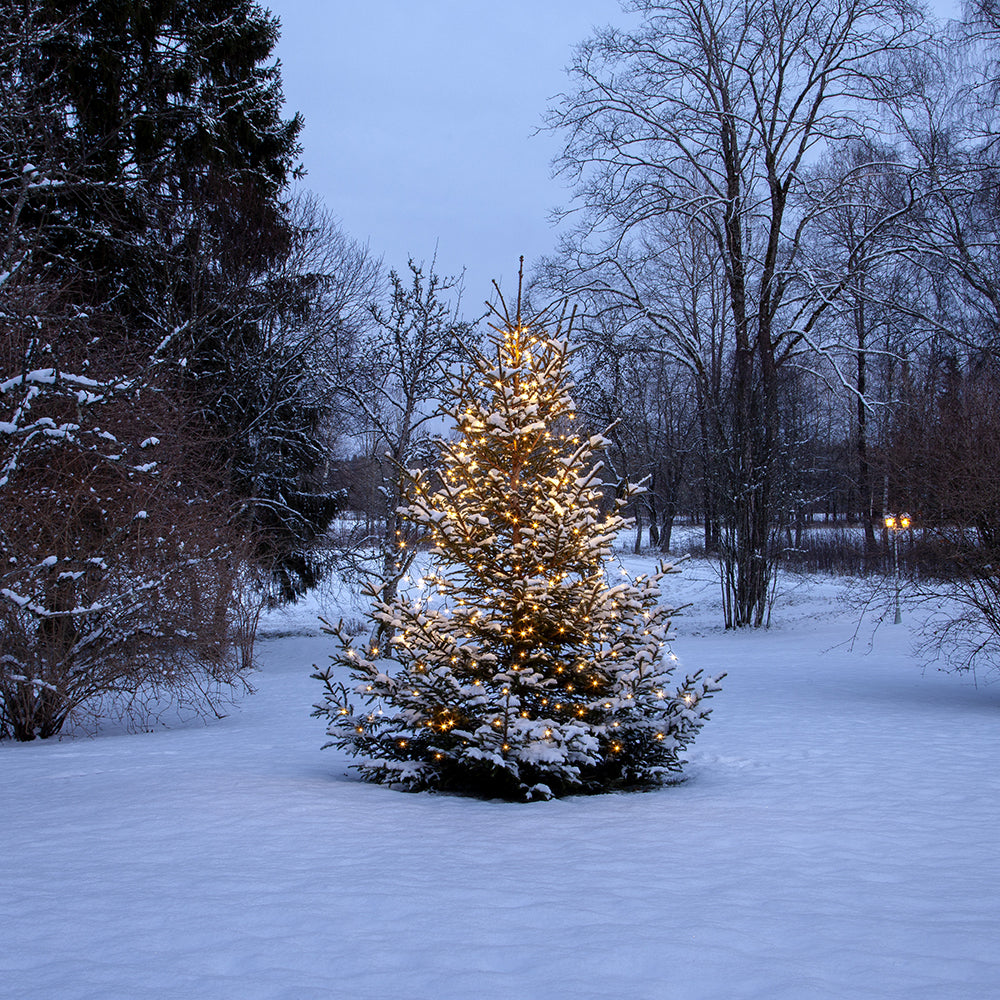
836, 838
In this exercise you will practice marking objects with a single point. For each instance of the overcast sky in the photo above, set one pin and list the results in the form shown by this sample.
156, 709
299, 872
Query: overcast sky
419, 121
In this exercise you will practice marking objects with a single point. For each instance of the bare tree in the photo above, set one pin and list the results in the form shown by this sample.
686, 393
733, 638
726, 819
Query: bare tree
942, 460
710, 112
644, 399
117, 584
864, 236
391, 390
317, 300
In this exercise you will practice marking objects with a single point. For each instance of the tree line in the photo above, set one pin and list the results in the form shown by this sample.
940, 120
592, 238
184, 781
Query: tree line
783, 237
781, 246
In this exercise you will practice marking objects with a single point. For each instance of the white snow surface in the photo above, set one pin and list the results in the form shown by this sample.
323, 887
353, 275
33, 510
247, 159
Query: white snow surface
835, 838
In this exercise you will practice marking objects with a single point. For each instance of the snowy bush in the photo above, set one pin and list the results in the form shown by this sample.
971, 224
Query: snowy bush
118, 585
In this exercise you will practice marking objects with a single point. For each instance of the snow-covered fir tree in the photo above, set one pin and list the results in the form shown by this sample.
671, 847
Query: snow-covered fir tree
519, 666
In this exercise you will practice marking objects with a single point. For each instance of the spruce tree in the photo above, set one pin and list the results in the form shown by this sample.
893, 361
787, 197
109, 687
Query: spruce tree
520, 666
156, 202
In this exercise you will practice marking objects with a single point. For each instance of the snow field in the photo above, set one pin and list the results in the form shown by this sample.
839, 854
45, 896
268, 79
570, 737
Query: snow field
835, 838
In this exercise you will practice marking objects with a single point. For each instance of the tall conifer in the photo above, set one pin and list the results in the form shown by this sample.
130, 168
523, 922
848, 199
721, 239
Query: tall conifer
159, 165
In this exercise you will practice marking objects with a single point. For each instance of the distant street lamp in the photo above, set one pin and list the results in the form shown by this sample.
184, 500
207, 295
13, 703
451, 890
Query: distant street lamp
895, 523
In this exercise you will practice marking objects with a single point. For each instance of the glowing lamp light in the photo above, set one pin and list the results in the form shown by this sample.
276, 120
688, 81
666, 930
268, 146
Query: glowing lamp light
896, 523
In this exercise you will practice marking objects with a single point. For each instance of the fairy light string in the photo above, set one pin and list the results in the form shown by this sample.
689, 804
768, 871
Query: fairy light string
516, 668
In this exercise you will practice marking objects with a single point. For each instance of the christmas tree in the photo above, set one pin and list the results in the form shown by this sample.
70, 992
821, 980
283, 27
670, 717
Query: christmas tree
515, 667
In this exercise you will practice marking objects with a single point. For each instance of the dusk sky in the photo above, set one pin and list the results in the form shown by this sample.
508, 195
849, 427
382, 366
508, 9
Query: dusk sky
419, 121
420, 117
